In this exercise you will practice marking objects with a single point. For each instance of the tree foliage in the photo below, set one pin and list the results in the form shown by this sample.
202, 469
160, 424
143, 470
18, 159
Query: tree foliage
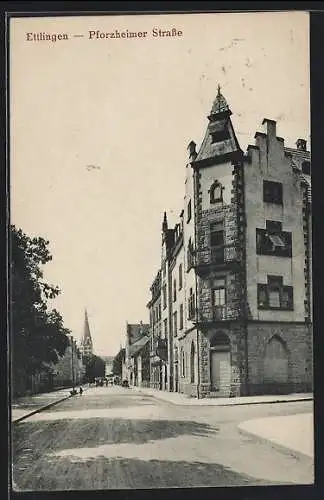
94, 367
118, 363
38, 334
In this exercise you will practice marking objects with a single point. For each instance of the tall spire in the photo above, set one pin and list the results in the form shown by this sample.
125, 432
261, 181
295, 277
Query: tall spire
165, 223
86, 344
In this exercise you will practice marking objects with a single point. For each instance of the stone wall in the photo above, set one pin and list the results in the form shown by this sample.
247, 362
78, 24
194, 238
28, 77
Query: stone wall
298, 340
236, 334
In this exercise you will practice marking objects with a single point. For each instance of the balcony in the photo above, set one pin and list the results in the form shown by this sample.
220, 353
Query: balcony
221, 256
216, 314
220, 313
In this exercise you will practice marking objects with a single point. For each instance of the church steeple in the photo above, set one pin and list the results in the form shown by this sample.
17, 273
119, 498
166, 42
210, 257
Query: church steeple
86, 343
165, 223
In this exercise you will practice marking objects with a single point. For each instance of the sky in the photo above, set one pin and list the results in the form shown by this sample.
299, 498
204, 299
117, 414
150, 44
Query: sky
99, 132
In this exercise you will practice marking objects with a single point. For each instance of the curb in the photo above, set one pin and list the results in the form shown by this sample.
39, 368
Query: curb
38, 410
279, 447
42, 408
226, 404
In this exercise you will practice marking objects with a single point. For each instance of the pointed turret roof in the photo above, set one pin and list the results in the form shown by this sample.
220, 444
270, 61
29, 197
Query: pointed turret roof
220, 104
220, 142
86, 339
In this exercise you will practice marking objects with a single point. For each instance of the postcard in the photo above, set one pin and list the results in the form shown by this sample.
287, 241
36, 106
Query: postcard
161, 251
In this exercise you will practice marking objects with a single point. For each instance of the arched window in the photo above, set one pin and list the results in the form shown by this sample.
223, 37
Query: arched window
192, 363
216, 192
220, 340
276, 365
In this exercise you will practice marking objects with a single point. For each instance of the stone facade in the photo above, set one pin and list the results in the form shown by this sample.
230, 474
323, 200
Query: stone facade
137, 336
245, 235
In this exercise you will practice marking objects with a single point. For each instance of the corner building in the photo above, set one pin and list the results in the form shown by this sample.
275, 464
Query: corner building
237, 267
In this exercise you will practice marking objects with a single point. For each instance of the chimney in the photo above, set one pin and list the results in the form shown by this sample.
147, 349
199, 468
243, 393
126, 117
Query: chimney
192, 150
271, 126
301, 144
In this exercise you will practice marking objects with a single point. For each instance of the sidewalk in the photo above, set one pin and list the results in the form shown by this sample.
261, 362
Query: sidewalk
293, 433
27, 405
184, 400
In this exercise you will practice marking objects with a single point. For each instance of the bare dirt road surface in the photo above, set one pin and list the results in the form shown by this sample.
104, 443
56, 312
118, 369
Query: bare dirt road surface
113, 438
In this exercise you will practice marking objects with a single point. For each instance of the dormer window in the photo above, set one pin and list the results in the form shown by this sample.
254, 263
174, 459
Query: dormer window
219, 136
216, 192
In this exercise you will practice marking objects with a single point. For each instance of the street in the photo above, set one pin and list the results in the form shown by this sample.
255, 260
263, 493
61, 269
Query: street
116, 438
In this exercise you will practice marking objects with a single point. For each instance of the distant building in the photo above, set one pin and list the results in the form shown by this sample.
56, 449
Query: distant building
69, 370
231, 305
109, 361
86, 346
137, 336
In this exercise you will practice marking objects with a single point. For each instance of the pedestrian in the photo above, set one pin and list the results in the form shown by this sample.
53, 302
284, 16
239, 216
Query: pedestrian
81, 391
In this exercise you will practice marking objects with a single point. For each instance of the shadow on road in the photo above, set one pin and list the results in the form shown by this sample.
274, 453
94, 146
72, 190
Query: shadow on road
107, 473
92, 432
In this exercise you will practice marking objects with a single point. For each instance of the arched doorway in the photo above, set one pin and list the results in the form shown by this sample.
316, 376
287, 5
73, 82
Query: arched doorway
276, 365
192, 363
220, 364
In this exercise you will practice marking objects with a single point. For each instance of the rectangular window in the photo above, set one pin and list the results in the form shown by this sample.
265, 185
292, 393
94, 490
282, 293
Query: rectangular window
180, 276
220, 135
181, 317
164, 296
272, 192
275, 296
175, 326
219, 297
182, 362
190, 255
165, 328
274, 280
216, 234
191, 305
189, 211
273, 226
174, 290
273, 243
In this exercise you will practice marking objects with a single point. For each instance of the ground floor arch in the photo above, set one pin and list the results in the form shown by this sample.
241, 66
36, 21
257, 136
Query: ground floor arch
276, 363
220, 364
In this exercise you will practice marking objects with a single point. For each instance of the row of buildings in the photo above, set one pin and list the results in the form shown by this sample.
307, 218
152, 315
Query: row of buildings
231, 304
69, 370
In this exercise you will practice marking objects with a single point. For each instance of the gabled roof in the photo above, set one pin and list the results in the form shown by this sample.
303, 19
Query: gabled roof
138, 346
137, 331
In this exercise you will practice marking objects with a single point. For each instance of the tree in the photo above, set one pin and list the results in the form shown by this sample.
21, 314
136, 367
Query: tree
94, 367
118, 363
38, 334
